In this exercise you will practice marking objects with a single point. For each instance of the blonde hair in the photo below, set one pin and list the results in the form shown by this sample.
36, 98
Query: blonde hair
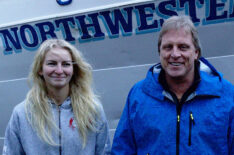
84, 102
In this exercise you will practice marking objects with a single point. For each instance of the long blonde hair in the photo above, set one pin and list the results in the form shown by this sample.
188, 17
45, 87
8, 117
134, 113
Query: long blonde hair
84, 102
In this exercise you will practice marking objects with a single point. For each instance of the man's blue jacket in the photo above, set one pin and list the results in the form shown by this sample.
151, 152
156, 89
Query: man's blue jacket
154, 123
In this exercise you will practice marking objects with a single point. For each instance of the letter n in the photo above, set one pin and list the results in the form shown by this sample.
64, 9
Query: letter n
11, 39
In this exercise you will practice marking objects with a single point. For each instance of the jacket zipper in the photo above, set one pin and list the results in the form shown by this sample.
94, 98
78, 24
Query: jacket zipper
191, 122
60, 147
179, 106
178, 135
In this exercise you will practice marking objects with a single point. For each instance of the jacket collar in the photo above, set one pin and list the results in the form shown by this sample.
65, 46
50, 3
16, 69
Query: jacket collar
211, 80
151, 85
65, 105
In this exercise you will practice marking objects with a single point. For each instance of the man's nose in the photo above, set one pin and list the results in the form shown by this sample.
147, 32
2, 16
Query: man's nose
175, 52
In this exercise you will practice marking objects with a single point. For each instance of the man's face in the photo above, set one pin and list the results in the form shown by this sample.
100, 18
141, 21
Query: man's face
177, 54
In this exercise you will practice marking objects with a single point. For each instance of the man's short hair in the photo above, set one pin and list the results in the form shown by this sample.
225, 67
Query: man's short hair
178, 22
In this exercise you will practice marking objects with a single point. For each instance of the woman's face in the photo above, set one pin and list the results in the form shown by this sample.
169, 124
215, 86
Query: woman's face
57, 68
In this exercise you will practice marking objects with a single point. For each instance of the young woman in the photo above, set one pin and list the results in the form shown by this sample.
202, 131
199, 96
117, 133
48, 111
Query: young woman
61, 114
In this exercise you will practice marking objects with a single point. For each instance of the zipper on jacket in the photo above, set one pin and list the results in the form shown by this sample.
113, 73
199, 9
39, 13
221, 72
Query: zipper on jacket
60, 147
178, 135
191, 122
179, 106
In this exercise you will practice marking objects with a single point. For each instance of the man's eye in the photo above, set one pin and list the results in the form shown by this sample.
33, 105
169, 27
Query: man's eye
183, 47
167, 47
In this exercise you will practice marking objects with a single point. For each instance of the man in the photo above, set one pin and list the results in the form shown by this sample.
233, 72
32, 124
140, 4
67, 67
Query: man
183, 106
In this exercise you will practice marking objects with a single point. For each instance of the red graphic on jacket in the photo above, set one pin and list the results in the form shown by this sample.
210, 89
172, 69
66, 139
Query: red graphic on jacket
71, 124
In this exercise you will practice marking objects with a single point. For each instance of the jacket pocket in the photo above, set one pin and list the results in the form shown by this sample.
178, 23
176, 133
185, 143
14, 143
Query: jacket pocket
191, 124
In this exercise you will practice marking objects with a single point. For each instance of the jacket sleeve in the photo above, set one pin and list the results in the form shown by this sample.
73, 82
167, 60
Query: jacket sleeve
231, 130
124, 142
12, 143
102, 146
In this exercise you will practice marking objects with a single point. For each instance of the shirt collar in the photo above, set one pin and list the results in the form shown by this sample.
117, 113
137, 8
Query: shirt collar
65, 105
